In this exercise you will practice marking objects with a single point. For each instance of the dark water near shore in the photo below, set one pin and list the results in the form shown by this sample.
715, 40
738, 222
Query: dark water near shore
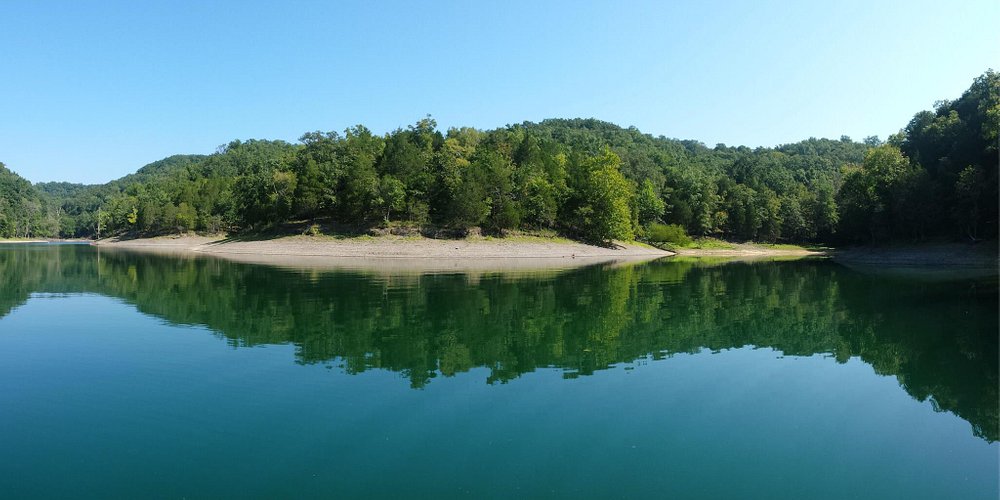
127, 375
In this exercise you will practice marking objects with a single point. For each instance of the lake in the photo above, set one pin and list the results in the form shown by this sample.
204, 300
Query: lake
127, 375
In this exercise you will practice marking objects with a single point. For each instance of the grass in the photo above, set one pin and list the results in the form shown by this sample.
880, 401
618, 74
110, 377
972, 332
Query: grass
642, 244
791, 246
524, 238
709, 243
782, 246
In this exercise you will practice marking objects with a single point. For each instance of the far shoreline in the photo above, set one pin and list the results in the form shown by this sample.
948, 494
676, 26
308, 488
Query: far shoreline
982, 257
749, 251
408, 247
396, 253
402, 252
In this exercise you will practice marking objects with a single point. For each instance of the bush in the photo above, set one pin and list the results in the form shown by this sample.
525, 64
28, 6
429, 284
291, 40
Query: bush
673, 234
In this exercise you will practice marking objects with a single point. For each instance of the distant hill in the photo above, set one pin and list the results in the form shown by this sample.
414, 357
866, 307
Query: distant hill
582, 177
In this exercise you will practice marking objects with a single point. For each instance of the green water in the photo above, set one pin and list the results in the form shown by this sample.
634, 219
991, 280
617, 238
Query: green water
131, 375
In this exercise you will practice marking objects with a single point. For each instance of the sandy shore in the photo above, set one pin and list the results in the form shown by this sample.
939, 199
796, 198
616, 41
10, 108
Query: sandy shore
393, 247
398, 253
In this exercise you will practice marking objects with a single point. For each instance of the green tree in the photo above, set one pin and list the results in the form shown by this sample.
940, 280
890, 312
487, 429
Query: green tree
361, 185
318, 171
969, 190
600, 208
494, 173
392, 196
265, 186
649, 205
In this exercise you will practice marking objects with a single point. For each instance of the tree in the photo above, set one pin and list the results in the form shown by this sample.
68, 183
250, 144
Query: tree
873, 197
769, 205
540, 203
185, 218
743, 219
649, 205
824, 217
409, 156
265, 187
494, 173
392, 196
361, 183
318, 170
969, 189
600, 209
454, 200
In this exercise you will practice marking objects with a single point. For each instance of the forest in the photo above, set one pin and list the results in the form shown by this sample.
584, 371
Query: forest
583, 178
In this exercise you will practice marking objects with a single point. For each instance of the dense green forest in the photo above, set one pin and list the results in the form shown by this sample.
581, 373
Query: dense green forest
587, 179
24, 211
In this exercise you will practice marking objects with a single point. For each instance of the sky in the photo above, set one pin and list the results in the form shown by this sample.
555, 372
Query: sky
91, 91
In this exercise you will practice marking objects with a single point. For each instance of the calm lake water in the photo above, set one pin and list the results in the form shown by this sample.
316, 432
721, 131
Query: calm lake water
129, 375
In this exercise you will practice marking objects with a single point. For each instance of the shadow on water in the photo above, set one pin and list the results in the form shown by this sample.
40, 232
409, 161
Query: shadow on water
939, 339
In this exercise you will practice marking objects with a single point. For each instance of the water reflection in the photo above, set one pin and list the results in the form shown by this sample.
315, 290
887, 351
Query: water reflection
938, 339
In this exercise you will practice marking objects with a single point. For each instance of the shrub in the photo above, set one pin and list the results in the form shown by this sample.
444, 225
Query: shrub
673, 234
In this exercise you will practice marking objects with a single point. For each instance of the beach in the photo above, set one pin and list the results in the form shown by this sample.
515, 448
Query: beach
397, 253
392, 247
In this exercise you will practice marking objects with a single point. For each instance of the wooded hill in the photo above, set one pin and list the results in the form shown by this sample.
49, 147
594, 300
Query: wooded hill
584, 178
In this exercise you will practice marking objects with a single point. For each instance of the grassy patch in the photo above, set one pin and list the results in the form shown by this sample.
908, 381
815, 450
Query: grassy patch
709, 243
782, 246
792, 246
641, 244
521, 237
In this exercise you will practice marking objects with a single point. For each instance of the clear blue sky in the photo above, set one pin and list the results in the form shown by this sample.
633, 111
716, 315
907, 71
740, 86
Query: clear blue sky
90, 91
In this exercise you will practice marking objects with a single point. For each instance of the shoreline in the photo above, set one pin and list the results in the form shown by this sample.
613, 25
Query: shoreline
397, 253
419, 247
390, 247
749, 251
942, 254
929, 261
403, 252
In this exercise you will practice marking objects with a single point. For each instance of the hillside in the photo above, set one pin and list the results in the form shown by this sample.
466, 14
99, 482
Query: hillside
24, 212
583, 178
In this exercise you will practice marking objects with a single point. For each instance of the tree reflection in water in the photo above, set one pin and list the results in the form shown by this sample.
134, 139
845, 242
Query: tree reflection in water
938, 339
